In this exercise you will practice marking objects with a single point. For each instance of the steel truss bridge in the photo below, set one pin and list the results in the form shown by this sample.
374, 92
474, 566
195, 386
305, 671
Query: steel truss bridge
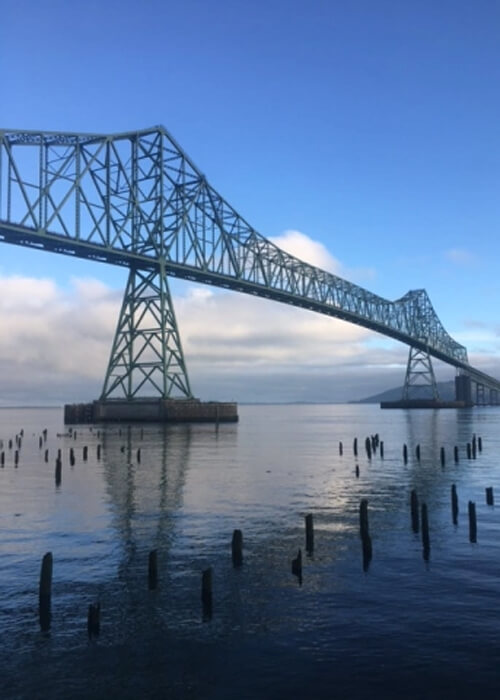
137, 200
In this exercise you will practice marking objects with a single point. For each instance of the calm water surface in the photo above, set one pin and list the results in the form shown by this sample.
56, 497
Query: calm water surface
404, 628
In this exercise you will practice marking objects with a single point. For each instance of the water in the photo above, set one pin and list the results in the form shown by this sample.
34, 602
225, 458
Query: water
405, 627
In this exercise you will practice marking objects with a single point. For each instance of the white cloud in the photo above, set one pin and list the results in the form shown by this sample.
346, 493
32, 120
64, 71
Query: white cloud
315, 253
460, 256
55, 342
304, 248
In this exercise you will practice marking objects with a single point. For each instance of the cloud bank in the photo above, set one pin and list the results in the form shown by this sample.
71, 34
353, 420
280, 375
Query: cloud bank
56, 340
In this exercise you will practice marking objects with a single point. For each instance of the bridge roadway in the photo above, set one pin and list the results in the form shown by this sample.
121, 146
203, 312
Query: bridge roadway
138, 201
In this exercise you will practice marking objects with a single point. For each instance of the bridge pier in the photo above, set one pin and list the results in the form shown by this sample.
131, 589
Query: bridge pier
151, 410
463, 389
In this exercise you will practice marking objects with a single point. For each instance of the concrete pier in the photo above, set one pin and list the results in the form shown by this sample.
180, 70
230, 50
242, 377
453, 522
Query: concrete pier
423, 403
152, 411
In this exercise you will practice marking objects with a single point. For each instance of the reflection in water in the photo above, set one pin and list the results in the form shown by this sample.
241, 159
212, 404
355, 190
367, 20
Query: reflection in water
363, 632
145, 494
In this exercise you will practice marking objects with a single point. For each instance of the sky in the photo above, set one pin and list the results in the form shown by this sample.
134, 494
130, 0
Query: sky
360, 136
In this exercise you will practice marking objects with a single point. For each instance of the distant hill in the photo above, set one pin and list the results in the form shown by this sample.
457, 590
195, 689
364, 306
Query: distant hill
446, 393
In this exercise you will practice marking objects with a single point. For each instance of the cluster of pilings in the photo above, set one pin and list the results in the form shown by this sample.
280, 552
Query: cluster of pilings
419, 518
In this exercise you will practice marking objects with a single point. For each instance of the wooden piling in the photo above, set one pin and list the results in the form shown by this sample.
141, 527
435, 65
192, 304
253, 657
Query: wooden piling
94, 620
46, 456
364, 533
480, 444
417, 453
425, 531
454, 504
368, 448
414, 511
153, 569
382, 449
442, 457
16, 458
99, 451
45, 592
405, 453
2, 459
139, 455
366, 544
58, 472
309, 533
455, 453
357, 471
85, 453
341, 448
297, 565
237, 548
363, 518
40, 442
469, 451
489, 496
355, 446
472, 522
206, 592
72, 456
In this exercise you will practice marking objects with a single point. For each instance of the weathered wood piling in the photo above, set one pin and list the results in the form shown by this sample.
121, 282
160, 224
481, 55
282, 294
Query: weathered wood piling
206, 592
58, 472
414, 511
153, 569
472, 522
237, 548
454, 504
364, 533
297, 565
309, 533
368, 448
45, 592
94, 620
426, 543
489, 496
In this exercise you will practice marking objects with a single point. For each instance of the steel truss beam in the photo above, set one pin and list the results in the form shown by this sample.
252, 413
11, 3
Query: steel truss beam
146, 356
136, 199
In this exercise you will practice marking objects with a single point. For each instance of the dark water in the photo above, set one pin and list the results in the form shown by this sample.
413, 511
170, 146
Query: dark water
405, 628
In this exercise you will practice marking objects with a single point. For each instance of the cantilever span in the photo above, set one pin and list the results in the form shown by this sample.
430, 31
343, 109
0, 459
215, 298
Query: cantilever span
137, 200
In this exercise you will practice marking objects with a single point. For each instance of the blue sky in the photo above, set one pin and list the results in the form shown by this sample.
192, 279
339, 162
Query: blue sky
370, 127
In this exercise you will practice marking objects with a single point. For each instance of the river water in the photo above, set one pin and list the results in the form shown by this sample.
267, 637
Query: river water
405, 627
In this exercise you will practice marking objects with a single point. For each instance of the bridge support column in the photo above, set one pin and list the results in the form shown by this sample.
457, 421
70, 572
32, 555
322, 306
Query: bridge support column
463, 389
480, 394
146, 357
420, 382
